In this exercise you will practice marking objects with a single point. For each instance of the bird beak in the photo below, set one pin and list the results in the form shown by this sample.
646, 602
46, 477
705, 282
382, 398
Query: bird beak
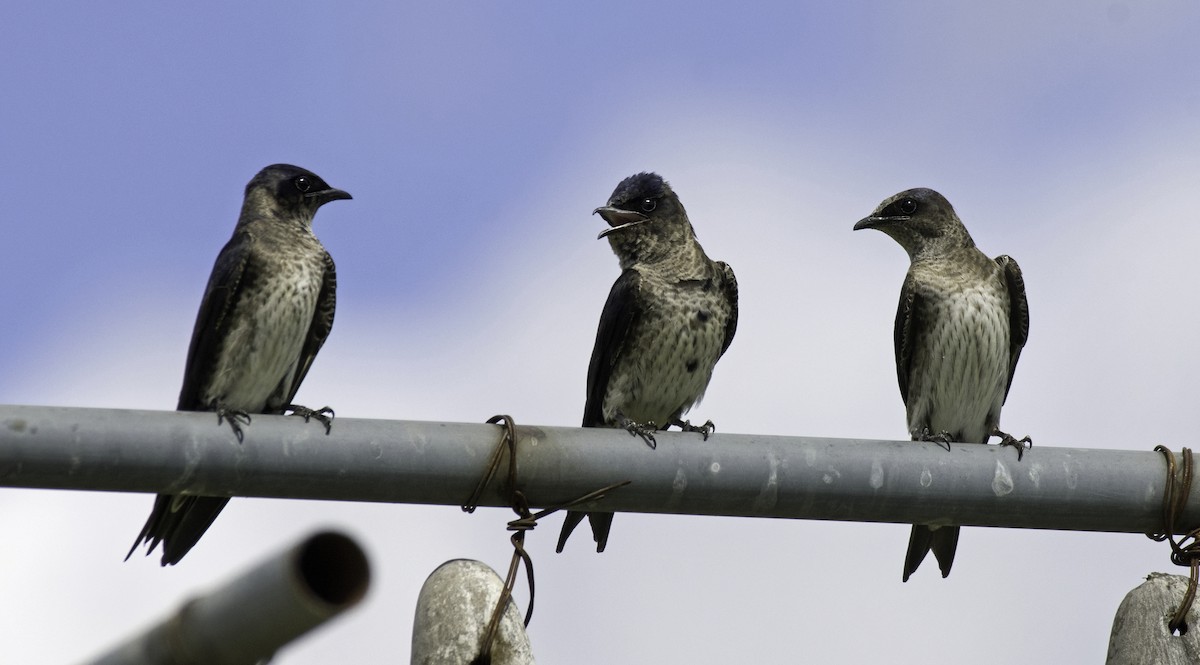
326, 195
874, 222
618, 219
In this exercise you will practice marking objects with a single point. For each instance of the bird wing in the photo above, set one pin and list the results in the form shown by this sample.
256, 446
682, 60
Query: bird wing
318, 331
907, 326
730, 289
230, 275
1018, 313
620, 310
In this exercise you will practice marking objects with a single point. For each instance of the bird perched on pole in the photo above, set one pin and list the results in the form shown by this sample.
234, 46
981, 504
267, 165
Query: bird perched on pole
669, 317
960, 327
266, 311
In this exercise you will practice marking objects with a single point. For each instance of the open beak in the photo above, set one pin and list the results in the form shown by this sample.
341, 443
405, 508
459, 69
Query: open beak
618, 219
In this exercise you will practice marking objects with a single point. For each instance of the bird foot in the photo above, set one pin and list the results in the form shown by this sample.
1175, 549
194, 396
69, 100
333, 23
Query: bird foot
942, 438
236, 418
1006, 439
704, 430
324, 415
644, 430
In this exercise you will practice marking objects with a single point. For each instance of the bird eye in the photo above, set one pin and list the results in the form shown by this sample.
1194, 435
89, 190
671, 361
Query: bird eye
648, 205
908, 206
302, 183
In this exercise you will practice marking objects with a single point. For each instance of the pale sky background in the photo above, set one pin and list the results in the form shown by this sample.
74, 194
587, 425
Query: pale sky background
476, 139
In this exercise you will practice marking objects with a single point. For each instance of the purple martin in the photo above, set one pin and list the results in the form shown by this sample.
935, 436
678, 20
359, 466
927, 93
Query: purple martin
960, 327
669, 317
266, 311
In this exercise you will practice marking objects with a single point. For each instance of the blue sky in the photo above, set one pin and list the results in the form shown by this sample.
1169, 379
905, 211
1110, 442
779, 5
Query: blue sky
476, 139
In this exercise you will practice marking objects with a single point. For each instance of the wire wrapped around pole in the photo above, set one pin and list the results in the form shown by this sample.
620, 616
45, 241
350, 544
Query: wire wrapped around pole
1185, 551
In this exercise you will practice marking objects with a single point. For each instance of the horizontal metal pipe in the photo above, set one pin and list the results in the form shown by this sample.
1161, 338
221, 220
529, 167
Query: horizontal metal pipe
250, 617
729, 474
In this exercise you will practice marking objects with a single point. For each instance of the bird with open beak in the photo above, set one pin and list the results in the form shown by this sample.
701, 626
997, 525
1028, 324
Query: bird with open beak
669, 317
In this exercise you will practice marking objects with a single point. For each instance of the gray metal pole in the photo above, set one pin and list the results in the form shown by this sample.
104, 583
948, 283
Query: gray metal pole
730, 474
252, 616
453, 611
1140, 634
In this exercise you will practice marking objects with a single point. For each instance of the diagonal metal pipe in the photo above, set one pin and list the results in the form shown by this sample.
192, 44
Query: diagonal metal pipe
249, 618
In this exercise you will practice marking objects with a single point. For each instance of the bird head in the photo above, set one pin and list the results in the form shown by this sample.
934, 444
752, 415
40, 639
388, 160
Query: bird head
645, 218
290, 191
921, 220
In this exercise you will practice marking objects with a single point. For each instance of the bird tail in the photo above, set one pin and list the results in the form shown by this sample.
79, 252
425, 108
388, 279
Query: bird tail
601, 523
942, 540
177, 522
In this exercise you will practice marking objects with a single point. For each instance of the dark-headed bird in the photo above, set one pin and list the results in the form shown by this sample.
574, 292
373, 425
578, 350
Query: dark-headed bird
669, 317
266, 312
960, 327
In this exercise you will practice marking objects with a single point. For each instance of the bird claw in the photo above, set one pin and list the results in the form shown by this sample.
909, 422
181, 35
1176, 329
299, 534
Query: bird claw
324, 415
644, 430
942, 438
236, 418
707, 428
1006, 439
